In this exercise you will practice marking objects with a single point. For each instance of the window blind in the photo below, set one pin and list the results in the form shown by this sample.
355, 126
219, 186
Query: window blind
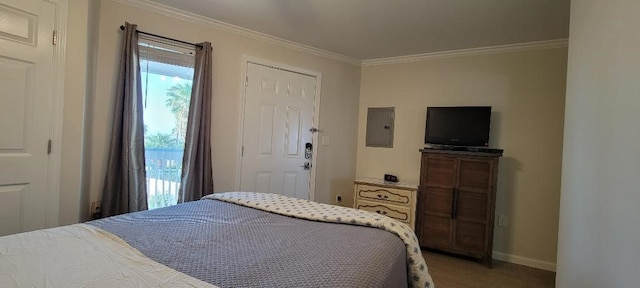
166, 51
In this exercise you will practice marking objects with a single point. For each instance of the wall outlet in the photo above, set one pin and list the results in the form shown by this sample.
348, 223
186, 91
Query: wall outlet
339, 198
96, 210
503, 220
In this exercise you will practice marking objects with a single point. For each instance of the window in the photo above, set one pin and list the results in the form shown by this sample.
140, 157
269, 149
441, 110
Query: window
167, 76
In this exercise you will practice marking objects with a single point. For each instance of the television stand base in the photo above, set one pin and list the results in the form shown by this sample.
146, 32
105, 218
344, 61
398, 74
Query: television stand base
476, 149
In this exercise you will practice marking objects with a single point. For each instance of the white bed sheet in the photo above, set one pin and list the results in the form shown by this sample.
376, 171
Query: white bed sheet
81, 256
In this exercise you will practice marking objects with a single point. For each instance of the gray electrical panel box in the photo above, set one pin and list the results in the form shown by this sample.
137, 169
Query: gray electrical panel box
380, 127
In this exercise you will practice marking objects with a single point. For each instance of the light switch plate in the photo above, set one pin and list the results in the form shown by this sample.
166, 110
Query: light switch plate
325, 140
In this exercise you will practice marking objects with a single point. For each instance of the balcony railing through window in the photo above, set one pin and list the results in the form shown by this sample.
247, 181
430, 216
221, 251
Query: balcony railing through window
164, 168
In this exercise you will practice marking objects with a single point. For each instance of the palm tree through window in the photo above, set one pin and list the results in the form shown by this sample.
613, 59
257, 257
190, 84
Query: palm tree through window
167, 77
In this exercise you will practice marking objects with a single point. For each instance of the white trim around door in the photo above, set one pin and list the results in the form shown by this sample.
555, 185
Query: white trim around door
57, 108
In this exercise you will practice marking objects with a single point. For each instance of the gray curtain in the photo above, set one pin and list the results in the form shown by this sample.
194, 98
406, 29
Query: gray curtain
197, 176
125, 188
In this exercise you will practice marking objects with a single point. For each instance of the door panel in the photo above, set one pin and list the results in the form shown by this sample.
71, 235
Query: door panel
279, 107
266, 138
441, 171
26, 96
472, 206
469, 237
436, 232
475, 174
438, 201
263, 182
293, 125
17, 79
19, 25
290, 183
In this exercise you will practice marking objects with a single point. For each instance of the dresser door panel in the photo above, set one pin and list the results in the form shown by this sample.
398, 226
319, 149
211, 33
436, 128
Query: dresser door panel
438, 201
469, 237
441, 171
436, 232
475, 174
472, 206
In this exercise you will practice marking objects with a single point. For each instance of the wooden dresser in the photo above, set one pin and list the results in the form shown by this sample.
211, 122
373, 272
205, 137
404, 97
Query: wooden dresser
395, 200
456, 202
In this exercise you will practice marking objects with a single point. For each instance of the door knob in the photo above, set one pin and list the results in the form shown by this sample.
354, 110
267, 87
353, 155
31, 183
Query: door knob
306, 166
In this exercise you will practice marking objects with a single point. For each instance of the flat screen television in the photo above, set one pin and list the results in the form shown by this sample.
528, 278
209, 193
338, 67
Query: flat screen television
458, 126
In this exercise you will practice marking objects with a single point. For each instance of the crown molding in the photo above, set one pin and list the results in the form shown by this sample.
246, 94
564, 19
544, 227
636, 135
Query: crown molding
519, 47
202, 20
198, 19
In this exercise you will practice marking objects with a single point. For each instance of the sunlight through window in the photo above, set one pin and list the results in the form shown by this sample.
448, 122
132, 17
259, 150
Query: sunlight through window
166, 110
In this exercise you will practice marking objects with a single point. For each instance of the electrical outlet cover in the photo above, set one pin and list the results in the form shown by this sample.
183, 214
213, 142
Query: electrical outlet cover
503, 220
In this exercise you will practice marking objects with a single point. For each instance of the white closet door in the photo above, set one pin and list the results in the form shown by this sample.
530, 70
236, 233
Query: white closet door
26, 81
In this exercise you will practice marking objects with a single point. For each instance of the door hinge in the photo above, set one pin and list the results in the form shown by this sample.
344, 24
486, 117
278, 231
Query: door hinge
49, 147
246, 81
242, 153
54, 39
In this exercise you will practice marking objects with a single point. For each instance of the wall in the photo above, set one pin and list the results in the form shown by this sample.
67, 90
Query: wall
526, 91
599, 231
74, 100
338, 111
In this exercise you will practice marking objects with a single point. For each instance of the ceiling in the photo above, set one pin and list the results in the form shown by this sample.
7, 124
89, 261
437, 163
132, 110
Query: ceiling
374, 29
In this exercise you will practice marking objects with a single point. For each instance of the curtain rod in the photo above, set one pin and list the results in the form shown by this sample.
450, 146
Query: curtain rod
166, 38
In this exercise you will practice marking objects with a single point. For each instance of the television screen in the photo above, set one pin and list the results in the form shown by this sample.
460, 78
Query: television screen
458, 126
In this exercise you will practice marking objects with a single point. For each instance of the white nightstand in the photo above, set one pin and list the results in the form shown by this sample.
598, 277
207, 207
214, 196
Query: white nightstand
395, 200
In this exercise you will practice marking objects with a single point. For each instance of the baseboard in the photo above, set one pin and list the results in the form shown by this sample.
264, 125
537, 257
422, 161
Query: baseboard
535, 263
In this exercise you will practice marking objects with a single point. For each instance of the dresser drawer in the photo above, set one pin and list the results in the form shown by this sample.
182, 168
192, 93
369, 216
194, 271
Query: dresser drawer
384, 194
400, 213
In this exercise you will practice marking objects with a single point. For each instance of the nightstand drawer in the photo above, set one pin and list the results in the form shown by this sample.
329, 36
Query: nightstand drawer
400, 213
387, 195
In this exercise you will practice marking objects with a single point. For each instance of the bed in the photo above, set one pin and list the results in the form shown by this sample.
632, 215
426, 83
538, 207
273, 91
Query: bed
234, 239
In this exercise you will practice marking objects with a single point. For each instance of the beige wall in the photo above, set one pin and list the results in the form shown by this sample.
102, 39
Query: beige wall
74, 101
338, 111
526, 91
598, 243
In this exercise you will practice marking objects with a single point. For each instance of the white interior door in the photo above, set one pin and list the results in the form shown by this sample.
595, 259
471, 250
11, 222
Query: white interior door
26, 93
278, 116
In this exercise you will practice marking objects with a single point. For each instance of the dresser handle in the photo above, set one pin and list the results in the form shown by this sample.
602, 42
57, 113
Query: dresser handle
454, 213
